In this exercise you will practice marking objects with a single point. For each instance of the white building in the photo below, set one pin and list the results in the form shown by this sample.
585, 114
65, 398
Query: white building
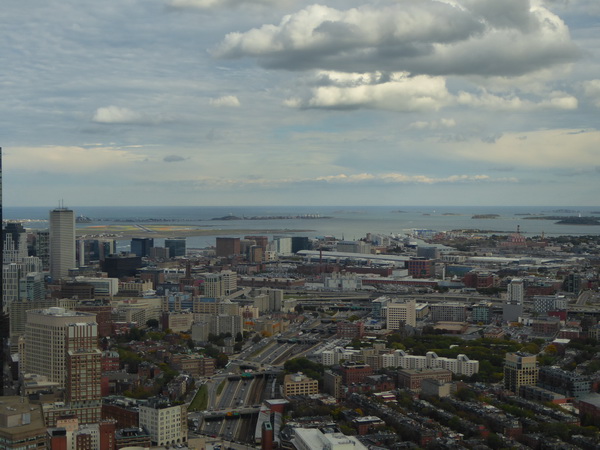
314, 439
461, 365
166, 424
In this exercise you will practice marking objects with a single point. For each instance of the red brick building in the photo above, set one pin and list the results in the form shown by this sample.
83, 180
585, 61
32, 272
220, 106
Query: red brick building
350, 330
355, 373
420, 268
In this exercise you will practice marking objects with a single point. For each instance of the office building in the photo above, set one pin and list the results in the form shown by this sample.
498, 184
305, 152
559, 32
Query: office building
50, 334
15, 243
121, 265
62, 242
213, 285
282, 245
94, 250
448, 312
141, 246
227, 247
299, 384
400, 314
166, 423
515, 292
482, 313
420, 268
512, 308
176, 247
520, 369
41, 247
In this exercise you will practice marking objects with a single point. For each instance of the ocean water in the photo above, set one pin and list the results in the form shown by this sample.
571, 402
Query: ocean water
342, 222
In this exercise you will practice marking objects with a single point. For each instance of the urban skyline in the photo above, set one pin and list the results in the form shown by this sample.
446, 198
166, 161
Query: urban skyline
218, 102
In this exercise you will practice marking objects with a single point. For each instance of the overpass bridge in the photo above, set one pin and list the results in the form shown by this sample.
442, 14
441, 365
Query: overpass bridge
230, 413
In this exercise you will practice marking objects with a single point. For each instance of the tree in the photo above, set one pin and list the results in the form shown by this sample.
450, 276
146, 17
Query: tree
152, 323
257, 338
239, 337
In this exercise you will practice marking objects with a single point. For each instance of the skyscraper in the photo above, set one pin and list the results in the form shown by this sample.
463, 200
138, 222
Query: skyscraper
47, 340
4, 325
63, 346
62, 242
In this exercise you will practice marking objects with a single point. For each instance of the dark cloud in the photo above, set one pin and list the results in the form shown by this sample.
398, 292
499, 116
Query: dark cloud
173, 158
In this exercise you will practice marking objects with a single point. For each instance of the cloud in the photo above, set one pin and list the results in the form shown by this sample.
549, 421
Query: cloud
125, 116
426, 37
218, 4
173, 158
398, 91
542, 149
359, 179
68, 159
226, 101
486, 100
591, 89
433, 125
116, 114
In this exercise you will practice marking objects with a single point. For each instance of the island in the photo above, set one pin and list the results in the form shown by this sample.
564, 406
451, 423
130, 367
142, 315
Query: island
485, 216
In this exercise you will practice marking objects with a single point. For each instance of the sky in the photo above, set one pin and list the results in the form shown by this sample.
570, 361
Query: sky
289, 102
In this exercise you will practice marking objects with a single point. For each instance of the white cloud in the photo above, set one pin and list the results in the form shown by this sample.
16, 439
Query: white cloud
116, 114
401, 92
397, 93
427, 37
433, 125
486, 100
226, 101
125, 116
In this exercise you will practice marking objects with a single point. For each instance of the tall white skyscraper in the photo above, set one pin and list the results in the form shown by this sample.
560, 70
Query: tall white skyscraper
62, 242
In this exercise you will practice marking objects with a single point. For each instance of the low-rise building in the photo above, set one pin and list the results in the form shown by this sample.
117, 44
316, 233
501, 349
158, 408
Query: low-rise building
299, 384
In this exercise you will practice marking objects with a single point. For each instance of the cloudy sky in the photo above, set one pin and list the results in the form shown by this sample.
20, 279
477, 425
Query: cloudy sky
282, 102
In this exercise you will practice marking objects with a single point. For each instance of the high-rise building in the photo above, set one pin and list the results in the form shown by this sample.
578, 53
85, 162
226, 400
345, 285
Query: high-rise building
62, 242
63, 346
401, 313
15, 243
515, 291
227, 247
520, 369
176, 247
4, 322
50, 334
141, 246
41, 247
513, 306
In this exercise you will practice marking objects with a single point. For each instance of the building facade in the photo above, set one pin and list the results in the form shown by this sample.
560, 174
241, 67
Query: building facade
62, 242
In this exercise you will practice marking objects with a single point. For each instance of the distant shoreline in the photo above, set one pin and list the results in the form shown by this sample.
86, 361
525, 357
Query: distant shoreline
160, 231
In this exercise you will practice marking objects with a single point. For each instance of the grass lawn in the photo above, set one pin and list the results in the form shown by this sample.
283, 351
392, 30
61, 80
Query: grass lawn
200, 401
221, 387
